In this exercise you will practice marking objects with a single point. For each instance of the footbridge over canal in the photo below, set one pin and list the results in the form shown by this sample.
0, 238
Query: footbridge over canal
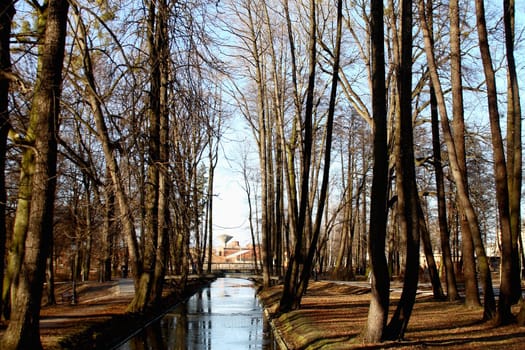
245, 270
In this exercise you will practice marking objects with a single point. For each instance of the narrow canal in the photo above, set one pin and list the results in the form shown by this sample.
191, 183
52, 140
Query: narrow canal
225, 315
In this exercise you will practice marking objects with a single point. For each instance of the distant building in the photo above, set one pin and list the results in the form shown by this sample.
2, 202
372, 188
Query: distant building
232, 252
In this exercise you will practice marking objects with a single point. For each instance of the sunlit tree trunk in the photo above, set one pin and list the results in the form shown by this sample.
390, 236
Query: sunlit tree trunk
151, 186
7, 11
464, 203
299, 268
40, 169
290, 147
444, 232
457, 107
507, 296
291, 299
323, 193
469, 262
262, 139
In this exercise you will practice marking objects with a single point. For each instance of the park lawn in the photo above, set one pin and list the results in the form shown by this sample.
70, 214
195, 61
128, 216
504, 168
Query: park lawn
333, 315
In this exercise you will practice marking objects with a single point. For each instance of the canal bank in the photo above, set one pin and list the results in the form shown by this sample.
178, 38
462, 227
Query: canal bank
323, 321
99, 319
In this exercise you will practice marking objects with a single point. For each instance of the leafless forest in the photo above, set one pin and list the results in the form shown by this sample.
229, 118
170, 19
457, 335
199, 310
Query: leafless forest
388, 145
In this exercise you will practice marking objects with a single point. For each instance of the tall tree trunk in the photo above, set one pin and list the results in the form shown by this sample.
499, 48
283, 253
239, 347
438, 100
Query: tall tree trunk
380, 300
469, 262
291, 145
23, 330
7, 11
465, 205
507, 296
279, 206
514, 146
290, 299
20, 227
151, 224
408, 199
444, 233
323, 194
108, 150
163, 213
212, 158
262, 138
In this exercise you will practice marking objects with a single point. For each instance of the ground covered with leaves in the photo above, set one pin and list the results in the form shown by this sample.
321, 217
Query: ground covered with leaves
333, 316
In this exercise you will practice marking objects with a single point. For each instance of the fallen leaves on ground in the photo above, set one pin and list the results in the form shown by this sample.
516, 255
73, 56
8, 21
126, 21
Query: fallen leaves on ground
333, 315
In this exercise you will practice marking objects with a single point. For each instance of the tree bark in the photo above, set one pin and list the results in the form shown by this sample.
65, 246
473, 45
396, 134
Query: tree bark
444, 233
323, 194
469, 262
290, 299
262, 139
508, 256
40, 167
163, 213
514, 146
7, 11
465, 205
307, 229
155, 40
408, 199
380, 299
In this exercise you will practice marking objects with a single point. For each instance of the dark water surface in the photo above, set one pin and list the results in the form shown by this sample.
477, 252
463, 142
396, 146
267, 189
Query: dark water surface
226, 315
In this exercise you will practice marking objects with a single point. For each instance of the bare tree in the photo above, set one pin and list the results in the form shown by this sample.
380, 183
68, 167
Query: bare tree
514, 146
444, 231
108, 147
38, 176
378, 311
154, 218
509, 275
465, 205
408, 199
7, 11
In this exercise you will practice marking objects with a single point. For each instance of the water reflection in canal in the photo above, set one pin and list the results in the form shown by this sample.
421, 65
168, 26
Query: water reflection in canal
226, 315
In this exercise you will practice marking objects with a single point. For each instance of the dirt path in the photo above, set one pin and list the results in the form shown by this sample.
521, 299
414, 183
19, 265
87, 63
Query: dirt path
97, 303
98, 320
